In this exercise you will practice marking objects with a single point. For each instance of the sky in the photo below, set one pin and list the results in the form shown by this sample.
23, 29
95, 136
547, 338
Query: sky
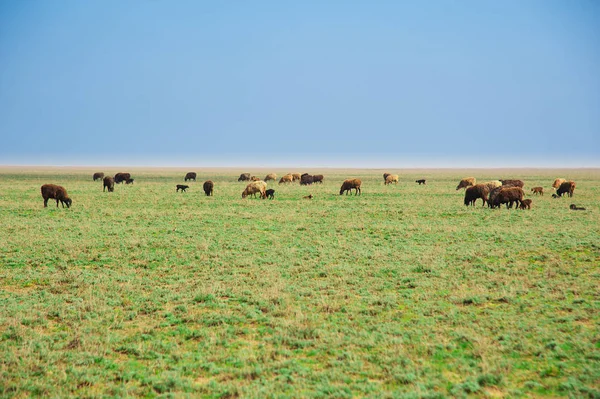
468, 83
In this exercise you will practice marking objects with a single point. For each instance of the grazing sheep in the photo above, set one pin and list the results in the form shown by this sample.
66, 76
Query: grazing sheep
255, 178
391, 179
310, 196
121, 177
567, 187
493, 184
466, 182
538, 190
271, 176
254, 188
52, 191
576, 208
508, 196
190, 176
208, 187
557, 183
385, 175
182, 187
296, 176
318, 179
526, 204
512, 183
244, 177
421, 181
306, 180
109, 183
129, 181
492, 196
475, 192
351, 184
270, 193
286, 179
98, 176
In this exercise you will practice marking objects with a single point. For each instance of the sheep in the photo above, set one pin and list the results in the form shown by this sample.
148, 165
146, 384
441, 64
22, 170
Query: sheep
109, 183
271, 176
318, 179
129, 181
474, 192
493, 184
306, 179
557, 183
244, 177
309, 197
525, 204
391, 179
385, 175
492, 196
121, 177
270, 193
512, 183
98, 176
421, 181
295, 176
567, 187
286, 179
538, 190
255, 178
190, 176
254, 188
208, 187
576, 208
52, 191
351, 184
466, 182
508, 196
182, 187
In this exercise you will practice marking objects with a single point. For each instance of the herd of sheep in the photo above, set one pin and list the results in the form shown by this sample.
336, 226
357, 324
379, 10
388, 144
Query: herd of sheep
495, 193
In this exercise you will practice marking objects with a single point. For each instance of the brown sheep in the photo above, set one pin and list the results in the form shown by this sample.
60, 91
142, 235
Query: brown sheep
182, 187
567, 187
310, 196
557, 183
508, 196
421, 181
385, 175
538, 190
190, 176
391, 179
52, 191
255, 178
296, 176
109, 183
286, 179
208, 187
493, 184
254, 188
475, 192
492, 196
98, 176
318, 179
512, 183
244, 177
351, 184
121, 177
466, 182
526, 204
129, 181
306, 179
576, 208
270, 176
270, 193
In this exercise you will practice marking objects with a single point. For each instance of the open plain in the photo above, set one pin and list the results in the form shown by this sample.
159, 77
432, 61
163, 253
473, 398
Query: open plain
401, 292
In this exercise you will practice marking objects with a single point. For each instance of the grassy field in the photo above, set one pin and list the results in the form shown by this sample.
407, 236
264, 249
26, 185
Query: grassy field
402, 292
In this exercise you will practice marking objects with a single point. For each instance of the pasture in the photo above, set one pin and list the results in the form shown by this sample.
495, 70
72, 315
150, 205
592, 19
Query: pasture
402, 292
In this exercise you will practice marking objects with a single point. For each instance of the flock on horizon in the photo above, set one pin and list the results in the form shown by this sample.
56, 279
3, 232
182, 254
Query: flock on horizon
495, 193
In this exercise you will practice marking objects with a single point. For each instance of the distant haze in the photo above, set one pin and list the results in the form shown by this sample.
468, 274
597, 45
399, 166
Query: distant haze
277, 83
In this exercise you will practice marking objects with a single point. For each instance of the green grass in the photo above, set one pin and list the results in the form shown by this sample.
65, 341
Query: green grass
402, 292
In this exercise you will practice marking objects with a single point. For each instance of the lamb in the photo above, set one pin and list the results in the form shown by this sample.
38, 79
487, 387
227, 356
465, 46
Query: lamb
309, 197
98, 176
271, 176
421, 181
270, 193
182, 187
475, 192
254, 188
576, 208
109, 183
59, 193
466, 182
190, 176
286, 179
351, 184
208, 187
526, 204
538, 190
255, 178
391, 179
129, 181
567, 187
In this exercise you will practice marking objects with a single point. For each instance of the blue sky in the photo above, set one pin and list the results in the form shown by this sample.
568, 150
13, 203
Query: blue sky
334, 83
